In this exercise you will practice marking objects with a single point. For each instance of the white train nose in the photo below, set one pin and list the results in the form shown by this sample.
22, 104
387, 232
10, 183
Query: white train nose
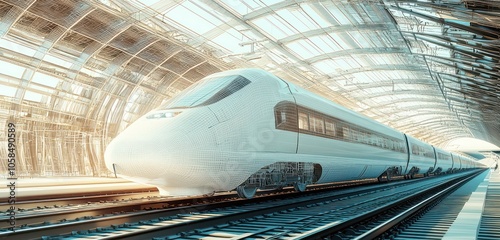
175, 156
162, 157
131, 156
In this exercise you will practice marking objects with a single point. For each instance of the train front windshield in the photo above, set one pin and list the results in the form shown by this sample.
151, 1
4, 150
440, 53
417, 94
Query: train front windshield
206, 92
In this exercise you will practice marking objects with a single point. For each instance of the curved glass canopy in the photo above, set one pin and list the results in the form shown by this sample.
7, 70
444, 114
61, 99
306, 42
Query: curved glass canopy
74, 73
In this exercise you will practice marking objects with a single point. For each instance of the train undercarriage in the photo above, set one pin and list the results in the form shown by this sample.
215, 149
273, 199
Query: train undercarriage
279, 175
300, 174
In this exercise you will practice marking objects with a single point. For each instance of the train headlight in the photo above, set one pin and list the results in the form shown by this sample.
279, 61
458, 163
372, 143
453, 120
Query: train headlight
163, 115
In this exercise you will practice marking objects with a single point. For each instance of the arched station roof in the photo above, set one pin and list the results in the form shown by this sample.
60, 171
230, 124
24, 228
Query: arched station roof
74, 73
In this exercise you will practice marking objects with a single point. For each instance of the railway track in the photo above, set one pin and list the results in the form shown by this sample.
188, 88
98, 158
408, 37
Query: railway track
387, 222
51, 217
50, 212
272, 215
65, 199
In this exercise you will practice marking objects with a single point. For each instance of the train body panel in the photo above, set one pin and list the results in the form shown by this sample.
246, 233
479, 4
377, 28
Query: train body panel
349, 132
444, 161
248, 129
422, 157
457, 163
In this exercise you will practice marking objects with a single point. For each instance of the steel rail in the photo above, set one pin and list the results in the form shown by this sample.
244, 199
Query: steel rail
87, 223
336, 226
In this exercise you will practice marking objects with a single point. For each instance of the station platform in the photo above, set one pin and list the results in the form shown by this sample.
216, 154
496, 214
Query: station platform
479, 217
461, 215
32, 187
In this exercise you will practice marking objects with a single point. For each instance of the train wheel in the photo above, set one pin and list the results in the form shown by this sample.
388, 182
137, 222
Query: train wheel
246, 192
300, 187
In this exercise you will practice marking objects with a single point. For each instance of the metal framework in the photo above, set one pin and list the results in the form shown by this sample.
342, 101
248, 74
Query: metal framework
74, 73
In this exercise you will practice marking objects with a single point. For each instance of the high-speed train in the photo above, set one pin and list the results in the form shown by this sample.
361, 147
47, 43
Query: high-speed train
247, 129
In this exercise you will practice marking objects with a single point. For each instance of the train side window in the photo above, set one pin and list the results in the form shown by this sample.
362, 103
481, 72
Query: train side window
303, 121
390, 144
280, 117
330, 128
366, 137
285, 115
347, 133
317, 124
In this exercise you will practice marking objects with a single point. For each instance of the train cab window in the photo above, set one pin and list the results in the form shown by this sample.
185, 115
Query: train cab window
303, 121
231, 88
207, 91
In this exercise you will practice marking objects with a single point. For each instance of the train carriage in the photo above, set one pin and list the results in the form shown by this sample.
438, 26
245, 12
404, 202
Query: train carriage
247, 129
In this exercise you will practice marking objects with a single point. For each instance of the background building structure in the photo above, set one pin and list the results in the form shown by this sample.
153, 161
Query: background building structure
75, 73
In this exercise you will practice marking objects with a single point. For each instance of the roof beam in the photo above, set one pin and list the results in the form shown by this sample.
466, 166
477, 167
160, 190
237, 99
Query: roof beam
383, 67
268, 9
349, 52
486, 34
337, 29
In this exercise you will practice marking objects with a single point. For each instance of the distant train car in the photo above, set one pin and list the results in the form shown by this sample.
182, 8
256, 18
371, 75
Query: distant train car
247, 129
422, 157
444, 161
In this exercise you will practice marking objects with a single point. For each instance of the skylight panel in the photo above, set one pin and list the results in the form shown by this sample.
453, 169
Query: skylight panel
340, 41
378, 90
45, 79
39, 88
17, 47
32, 96
337, 14
148, 2
303, 48
277, 57
211, 14
380, 59
274, 27
190, 16
364, 60
57, 61
11, 69
237, 6
325, 43
351, 62
342, 63
253, 4
7, 91
365, 77
297, 20
231, 40
317, 18
337, 64
76, 89
386, 38
325, 66
360, 39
